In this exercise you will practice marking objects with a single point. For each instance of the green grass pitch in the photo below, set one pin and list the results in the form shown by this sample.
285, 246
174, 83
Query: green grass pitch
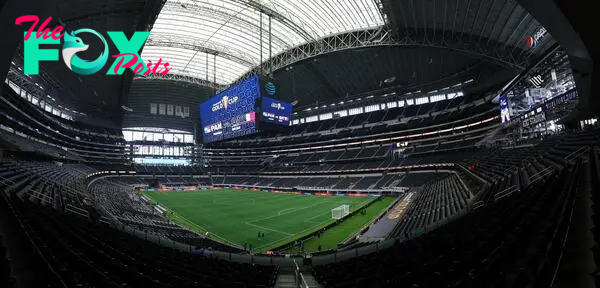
236, 216
338, 233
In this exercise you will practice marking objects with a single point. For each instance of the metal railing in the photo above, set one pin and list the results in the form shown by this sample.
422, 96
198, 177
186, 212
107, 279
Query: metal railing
478, 205
43, 198
575, 154
540, 175
506, 192
300, 282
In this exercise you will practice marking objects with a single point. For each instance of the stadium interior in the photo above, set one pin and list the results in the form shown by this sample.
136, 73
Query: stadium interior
299, 144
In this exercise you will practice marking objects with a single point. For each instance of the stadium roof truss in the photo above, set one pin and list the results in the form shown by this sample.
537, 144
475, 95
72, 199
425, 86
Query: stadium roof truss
220, 40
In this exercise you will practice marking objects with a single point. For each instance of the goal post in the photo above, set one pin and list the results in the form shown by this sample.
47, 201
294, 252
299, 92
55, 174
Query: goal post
340, 212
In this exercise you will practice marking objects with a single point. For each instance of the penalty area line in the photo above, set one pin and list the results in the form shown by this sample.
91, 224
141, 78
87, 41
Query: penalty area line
266, 228
288, 212
296, 234
309, 220
191, 223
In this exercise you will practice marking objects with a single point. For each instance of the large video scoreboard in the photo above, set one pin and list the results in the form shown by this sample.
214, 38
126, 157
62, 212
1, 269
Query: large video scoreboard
230, 113
241, 110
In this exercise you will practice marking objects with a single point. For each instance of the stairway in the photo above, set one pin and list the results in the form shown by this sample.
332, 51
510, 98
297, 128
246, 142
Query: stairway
489, 137
396, 183
311, 281
354, 183
285, 279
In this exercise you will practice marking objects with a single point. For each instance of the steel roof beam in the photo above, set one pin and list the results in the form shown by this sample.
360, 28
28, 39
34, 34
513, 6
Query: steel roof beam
279, 17
182, 78
210, 48
382, 37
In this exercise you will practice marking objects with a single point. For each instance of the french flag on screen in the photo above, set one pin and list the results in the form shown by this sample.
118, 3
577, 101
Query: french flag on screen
250, 117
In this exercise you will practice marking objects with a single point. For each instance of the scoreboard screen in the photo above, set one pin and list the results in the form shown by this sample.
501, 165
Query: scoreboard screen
275, 112
230, 113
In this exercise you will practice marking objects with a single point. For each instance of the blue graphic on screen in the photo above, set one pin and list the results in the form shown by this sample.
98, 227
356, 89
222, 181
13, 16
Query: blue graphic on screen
230, 113
504, 109
276, 112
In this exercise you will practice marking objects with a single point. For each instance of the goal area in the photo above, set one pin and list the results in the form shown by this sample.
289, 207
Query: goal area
340, 212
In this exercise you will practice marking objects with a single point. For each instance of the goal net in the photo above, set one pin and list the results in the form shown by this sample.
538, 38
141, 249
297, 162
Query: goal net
340, 212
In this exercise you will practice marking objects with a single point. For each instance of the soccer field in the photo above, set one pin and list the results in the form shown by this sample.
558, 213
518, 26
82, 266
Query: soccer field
237, 216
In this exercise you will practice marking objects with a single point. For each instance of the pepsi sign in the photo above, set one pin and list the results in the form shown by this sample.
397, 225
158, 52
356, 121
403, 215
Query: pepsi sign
533, 40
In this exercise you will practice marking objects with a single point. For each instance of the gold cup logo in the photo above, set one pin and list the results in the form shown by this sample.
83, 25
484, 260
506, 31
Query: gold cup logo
225, 101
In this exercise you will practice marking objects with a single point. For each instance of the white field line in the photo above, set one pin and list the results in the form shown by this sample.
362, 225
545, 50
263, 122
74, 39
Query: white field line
360, 205
281, 214
307, 229
218, 200
287, 209
266, 228
204, 229
308, 220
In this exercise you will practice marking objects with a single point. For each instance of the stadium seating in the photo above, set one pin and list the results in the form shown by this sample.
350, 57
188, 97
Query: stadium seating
308, 156
298, 138
503, 244
94, 254
55, 136
435, 202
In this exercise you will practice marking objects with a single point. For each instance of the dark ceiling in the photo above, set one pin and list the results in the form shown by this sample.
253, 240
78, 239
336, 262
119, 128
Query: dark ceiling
344, 74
